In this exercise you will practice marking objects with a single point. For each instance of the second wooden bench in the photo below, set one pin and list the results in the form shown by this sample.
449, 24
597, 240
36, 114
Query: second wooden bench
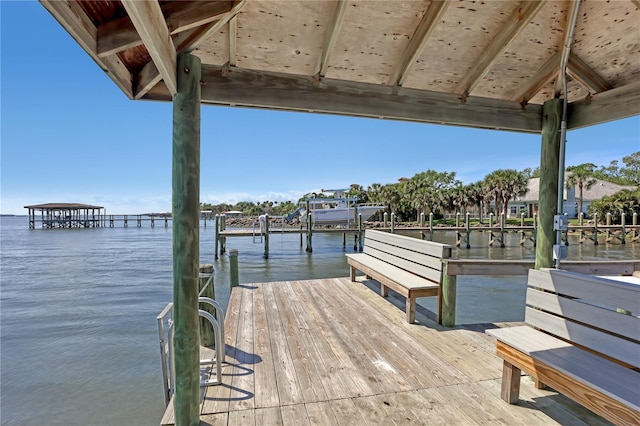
410, 266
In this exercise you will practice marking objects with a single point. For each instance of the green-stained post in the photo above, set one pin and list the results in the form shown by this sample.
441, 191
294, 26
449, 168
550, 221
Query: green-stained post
186, 239
393, 223
207, 336
234, 277
549, 163
595, 229
266, 236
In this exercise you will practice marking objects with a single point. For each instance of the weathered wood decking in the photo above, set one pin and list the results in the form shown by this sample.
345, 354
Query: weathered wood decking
331, 352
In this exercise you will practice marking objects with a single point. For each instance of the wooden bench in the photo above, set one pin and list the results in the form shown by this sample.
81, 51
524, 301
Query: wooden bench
410, 266
581, 339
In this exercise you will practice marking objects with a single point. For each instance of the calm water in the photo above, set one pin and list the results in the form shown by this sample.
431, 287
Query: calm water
78, 333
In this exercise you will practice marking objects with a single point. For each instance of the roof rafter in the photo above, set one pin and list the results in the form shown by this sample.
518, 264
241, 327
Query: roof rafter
233, 33
149, 22
331, 37
543, 76
120, 34
78, 25
524, 15
418, 40
583, 74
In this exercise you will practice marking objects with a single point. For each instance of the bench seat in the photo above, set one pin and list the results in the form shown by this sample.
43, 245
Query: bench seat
582, 338
570, 370
410, 266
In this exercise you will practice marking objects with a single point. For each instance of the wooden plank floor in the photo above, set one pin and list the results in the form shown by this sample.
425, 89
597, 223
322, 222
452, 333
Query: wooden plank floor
332, 352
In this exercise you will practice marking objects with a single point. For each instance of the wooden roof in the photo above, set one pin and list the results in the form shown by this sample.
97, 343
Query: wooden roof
483, 63
62, 206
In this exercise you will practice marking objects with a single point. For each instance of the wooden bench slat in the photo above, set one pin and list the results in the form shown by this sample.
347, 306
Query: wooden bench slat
577, 310
407, 279
601, 291
404, 253
432, 249
607, 344
407, 265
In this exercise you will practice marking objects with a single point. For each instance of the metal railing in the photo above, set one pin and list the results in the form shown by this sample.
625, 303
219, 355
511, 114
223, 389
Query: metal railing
166, 330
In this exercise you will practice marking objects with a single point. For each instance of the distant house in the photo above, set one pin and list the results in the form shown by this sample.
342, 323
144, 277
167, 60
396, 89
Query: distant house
529, 202
233, 213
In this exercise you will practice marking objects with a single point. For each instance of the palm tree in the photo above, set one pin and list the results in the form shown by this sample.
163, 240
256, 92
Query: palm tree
581, 175
506, 185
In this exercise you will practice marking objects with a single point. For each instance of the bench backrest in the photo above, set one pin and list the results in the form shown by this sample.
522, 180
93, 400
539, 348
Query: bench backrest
423, 258
595, 313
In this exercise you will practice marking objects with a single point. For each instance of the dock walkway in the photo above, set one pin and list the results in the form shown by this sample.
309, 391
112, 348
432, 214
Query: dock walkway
332, 352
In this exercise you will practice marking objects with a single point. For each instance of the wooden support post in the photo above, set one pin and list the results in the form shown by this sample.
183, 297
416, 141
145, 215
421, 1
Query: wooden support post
549, 163
217, 236
266, 236
490, 230
502, 225
393, 223
431, 226
608, 231
234, 278
468, 229
186, 239
360, 231
595, 229
535, 229
385, 219
422, 216
207, 335
634, 235
223, 239
447, 302
309, 229
623, 231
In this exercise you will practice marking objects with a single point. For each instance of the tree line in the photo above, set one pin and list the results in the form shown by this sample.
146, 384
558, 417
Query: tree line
440, 192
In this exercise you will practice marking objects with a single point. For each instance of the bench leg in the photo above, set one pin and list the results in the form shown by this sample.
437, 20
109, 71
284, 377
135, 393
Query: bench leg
510, 391
384, 291
411, 309
352, 273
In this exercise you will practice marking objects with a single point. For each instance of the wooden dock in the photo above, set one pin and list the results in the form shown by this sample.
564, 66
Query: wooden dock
332, 352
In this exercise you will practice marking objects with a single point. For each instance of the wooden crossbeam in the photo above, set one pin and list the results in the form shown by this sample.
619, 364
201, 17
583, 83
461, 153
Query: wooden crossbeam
300, 93
499, 44
149, 22
331, 36
120, 34
418, 40
614, 104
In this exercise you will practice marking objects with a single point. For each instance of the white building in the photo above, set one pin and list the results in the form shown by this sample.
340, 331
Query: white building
529, 202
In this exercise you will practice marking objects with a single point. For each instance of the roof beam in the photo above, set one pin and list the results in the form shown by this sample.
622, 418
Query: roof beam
418, 40
524, 14
331, 37
149, 21
84, 32
254, 88
120, 34
614, 104
543, 76
585, 75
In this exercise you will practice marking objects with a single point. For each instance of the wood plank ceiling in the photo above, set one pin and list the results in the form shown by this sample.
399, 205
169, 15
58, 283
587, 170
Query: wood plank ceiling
487, 63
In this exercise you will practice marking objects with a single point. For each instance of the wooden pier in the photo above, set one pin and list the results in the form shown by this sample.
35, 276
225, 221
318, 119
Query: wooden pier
332, 352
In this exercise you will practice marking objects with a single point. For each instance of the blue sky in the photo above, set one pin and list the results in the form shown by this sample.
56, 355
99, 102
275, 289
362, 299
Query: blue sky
68, 134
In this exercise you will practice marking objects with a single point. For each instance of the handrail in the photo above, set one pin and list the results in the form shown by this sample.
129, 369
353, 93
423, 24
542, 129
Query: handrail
521, 267
167, 355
